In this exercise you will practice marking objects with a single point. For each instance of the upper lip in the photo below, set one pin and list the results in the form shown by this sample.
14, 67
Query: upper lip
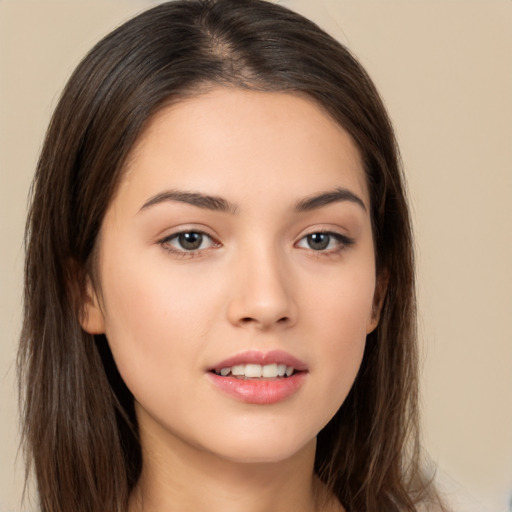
262, 358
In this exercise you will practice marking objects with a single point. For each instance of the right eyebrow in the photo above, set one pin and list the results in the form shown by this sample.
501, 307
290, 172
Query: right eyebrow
204, 201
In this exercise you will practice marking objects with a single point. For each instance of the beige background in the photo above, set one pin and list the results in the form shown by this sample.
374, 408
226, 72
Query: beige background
445, 71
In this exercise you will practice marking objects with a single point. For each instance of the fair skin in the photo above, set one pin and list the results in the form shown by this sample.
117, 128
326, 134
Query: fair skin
240, 234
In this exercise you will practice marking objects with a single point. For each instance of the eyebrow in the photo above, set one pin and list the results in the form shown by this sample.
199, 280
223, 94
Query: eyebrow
219, 204
204, 201
326, 198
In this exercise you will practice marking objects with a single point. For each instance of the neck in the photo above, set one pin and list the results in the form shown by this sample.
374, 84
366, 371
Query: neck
180, 477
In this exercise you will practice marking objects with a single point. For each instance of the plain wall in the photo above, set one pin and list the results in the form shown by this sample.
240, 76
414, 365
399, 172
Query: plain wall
444, 69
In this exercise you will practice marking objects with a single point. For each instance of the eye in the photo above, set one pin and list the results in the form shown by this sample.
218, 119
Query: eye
188, 241
324, 241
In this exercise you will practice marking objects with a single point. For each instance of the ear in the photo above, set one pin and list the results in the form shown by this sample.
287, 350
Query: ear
91, 316
381, 287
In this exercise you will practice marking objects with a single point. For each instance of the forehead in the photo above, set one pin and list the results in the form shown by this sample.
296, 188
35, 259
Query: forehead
228, 138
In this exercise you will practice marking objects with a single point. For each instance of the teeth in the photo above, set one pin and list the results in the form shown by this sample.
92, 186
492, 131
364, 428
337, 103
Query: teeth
238, 369
257, 370
253, 370
269, 370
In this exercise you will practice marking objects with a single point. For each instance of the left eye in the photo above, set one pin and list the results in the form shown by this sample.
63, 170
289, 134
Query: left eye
189, 241
323, 241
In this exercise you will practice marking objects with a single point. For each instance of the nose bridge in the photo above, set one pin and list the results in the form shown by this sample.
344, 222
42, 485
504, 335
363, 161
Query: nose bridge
262, 291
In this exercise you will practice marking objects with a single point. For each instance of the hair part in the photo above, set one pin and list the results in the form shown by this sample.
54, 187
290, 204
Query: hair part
79, 427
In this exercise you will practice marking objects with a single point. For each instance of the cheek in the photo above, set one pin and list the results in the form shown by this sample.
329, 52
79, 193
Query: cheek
342, 303
341, 318
155, 321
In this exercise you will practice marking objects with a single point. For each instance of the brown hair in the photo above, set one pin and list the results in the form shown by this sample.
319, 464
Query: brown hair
80, 431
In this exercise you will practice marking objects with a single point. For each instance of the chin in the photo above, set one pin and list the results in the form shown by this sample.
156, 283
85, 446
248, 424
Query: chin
262, 449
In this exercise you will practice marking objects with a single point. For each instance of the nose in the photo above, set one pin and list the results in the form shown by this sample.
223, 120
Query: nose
262, 292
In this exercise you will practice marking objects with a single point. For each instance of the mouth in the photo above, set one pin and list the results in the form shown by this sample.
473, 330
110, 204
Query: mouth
259, 378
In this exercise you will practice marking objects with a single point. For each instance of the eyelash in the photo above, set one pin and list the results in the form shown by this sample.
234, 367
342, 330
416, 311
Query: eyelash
343, 242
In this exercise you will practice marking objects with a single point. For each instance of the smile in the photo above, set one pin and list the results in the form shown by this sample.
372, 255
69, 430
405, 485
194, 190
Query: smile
259, 378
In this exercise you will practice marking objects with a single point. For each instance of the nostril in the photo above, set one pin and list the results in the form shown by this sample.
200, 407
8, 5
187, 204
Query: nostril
249, 320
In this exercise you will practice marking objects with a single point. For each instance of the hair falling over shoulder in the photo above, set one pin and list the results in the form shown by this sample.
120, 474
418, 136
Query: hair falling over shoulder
79, 428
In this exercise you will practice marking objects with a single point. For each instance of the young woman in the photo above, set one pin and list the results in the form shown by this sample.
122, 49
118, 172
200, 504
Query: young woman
219, 289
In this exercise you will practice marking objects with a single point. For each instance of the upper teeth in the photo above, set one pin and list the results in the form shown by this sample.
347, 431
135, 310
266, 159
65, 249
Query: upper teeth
257, 370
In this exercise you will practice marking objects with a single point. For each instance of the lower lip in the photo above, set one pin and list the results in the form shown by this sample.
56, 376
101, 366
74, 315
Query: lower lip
259, 391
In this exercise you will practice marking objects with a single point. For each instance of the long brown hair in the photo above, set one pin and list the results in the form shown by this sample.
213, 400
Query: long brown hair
80, 431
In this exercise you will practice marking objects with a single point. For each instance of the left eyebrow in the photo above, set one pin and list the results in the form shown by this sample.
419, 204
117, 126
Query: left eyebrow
326, 198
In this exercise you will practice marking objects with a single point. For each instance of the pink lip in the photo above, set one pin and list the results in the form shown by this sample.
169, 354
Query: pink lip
260, 391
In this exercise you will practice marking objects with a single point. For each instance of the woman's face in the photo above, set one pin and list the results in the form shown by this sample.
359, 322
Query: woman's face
238, 248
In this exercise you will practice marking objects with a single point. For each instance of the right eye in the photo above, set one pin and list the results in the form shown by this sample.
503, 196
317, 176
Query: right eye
188, 242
